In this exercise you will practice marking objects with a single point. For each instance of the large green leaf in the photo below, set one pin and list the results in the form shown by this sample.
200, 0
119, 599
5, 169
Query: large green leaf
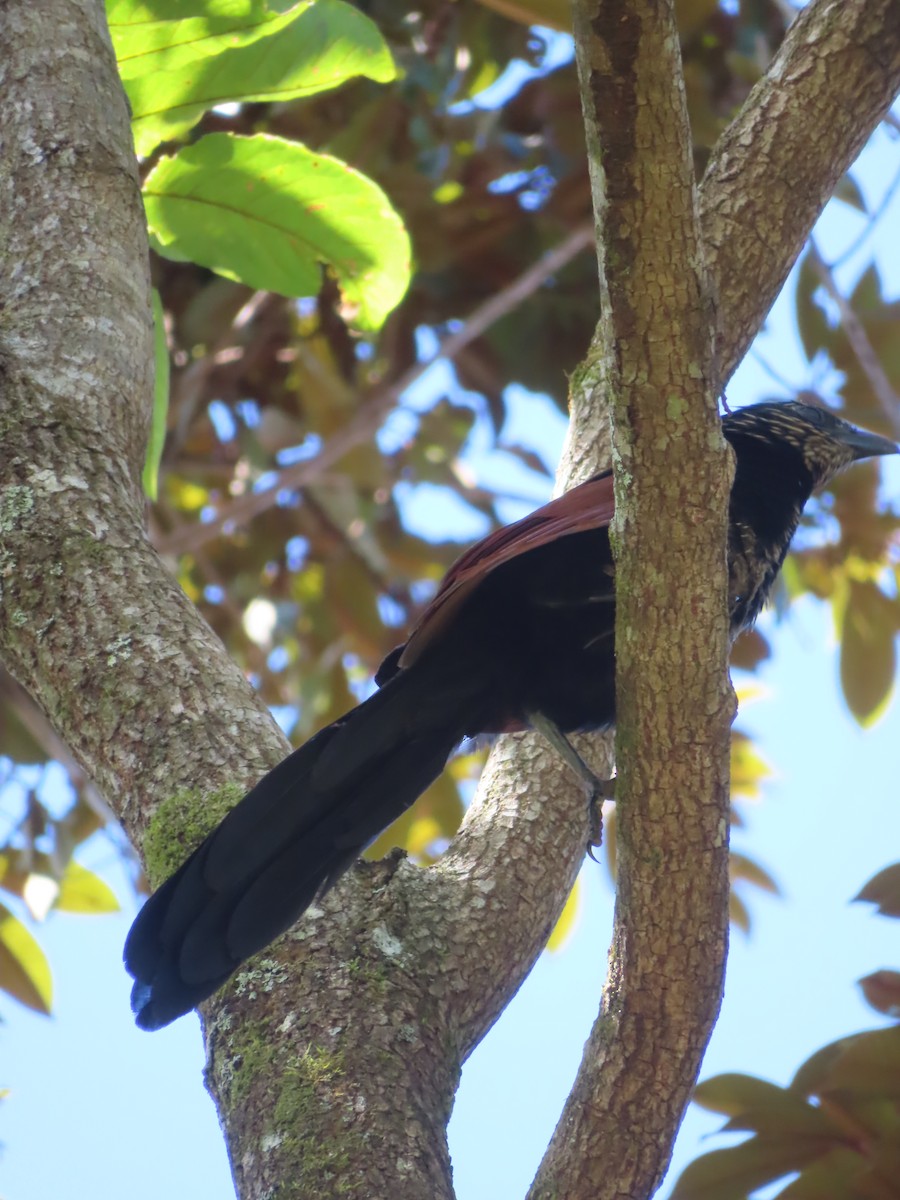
142, 30
24, 970
309, 49
267, 211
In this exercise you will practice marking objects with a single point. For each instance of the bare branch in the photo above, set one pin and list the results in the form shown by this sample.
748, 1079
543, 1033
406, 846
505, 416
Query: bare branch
779, 161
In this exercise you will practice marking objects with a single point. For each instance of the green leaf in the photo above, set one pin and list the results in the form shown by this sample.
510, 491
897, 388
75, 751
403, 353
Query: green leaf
24, 970
733, 1093
834, 1177
732, 1174
81, 891
159, 35
868, 657
157, 438
266, 212
866, 1063
848, 191
143, 31
309, 49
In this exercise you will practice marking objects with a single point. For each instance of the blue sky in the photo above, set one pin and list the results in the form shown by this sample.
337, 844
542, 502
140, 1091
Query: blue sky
98, 1107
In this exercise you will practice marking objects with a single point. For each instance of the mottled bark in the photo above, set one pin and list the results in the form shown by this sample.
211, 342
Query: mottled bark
91, 621
654, 352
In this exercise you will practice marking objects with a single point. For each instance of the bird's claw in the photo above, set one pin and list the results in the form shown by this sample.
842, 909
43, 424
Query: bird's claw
603, 789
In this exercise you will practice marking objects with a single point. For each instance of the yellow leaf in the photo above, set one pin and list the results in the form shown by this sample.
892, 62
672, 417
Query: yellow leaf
81, 891
24, 970
565, 924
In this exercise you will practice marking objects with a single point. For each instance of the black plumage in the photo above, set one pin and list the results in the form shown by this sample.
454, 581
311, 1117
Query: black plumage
520, 631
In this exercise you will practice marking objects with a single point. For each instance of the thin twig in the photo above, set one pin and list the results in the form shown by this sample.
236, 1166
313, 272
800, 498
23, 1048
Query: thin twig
366, 421
38, 726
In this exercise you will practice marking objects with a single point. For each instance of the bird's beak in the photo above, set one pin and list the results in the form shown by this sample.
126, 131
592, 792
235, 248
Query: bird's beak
868, 445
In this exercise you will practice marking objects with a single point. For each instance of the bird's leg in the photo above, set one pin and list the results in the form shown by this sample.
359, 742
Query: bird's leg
597, 790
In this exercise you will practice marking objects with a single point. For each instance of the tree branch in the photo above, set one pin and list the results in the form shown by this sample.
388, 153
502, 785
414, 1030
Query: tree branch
652, 359
772, 171
90, 622
373, 410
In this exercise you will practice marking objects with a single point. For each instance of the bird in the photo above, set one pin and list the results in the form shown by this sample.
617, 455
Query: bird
520, 634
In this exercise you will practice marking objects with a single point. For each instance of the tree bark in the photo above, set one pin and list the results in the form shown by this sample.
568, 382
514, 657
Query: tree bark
674, 705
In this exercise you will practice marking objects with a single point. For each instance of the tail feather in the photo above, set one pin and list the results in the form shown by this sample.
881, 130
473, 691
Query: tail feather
286, 842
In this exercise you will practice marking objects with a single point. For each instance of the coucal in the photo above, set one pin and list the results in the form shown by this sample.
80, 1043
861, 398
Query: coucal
520, 634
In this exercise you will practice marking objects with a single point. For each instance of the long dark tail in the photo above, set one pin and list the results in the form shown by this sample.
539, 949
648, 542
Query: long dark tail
287, 841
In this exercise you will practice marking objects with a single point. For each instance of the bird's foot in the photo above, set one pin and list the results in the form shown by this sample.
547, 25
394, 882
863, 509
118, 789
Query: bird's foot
602, 789
596, 790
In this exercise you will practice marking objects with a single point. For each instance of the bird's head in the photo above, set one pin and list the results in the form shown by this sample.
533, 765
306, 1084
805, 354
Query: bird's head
818, 442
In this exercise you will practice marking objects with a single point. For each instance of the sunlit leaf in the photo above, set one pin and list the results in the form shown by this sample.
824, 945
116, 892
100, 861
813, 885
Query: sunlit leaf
81, 891
185, 495
748, 768
142, 29
308, 49
568, 918
268, 212
24, 970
